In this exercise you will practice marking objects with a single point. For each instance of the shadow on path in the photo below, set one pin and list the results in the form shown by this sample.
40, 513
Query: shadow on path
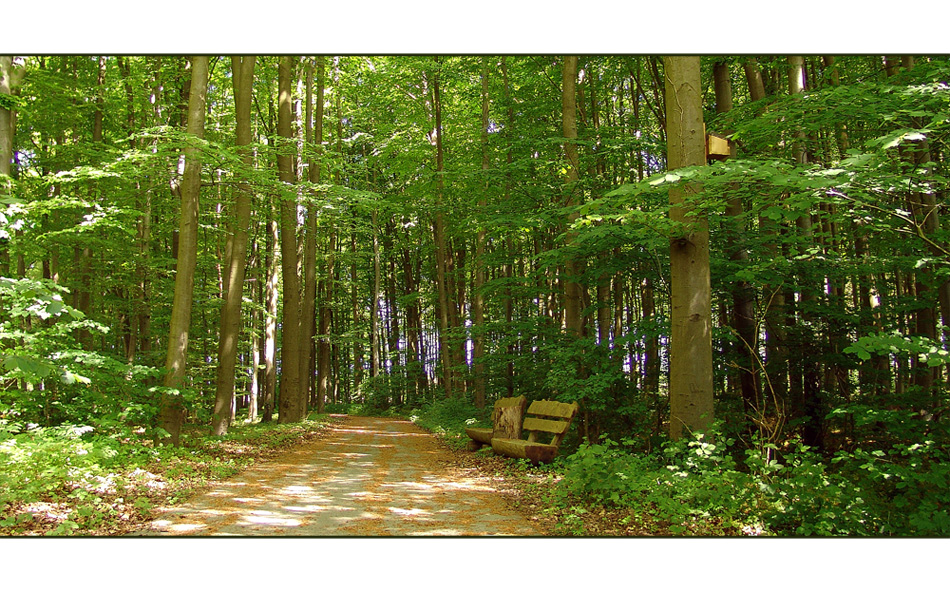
370, 477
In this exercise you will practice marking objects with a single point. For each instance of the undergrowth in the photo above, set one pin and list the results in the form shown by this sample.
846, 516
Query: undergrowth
711, 485
74, 480
703, 486
448, 418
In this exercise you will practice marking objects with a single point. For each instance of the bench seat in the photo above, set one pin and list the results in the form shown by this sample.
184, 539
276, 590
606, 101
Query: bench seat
481, 435
535, 452
546, 419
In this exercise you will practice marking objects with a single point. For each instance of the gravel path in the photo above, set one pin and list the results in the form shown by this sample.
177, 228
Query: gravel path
369, 477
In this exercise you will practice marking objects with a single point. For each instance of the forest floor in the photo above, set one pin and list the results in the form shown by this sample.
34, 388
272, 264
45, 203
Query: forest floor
344, 475
364, 476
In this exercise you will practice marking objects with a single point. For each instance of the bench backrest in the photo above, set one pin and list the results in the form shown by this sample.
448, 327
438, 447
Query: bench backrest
506, 417
549, 418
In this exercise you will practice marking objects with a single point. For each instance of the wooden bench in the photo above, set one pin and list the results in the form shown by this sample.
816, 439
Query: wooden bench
545, 419
506, 422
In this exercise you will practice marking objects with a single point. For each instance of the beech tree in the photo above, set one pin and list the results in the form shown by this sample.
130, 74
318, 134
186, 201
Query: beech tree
691, 373
242, 73
313, 141
292, 401
443, 254
10, 75
176, 358
743, 295
573, 291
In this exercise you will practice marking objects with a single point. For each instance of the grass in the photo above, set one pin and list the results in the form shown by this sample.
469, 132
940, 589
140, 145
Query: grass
62, 482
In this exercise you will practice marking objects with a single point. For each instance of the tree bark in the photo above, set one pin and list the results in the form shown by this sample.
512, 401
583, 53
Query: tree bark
10, 77
743, 301
83, 255
573, 289
776, 369
8, 83
136, 301
254, 384
575, 293
314, 138
271, 303
172, 409
325, 287
242, 77
374, 345
509, 243
478, 297
753, 76
414, 333
442, 256
323, 341
691, 370
291, 405
810, 407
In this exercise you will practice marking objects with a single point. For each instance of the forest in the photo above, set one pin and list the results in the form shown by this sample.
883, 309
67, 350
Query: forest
736, 265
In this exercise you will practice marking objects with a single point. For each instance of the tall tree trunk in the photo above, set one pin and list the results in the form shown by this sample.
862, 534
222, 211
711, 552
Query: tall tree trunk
323, 341
242, 77
291, 403
395, 352
271, 303
691, 370
456, 279
442, 255
604, 304
254, 387
478, 297
651, 362
171, 405
374, 345
144, 234
575, 293
357, 315
873, 375
509, 243
327, 284
133, 293
811, 407
773, 298
8, 83
573, 289
83, 255
314, 138
10, 77
414, 324
753, 76
743, 301
922, 202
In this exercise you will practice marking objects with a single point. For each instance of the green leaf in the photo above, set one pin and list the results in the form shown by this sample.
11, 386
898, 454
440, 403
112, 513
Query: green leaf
30, 368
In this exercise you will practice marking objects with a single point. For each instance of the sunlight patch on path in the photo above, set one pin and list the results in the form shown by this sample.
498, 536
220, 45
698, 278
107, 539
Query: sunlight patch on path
371, 477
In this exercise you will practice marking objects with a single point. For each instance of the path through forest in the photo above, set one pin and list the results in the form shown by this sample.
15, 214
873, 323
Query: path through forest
369, 477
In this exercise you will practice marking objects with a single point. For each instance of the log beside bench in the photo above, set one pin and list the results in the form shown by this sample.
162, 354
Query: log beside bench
546, 419
506, 422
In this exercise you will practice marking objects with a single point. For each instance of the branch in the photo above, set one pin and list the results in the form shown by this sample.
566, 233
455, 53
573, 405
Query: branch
916, 229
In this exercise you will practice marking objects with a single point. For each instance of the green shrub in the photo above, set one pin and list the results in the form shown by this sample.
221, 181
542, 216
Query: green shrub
449, 417
802, 496
39, 462
605, 473
909, 484
697, 486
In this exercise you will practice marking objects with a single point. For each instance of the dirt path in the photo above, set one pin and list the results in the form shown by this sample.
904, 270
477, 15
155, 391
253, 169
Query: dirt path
369, 477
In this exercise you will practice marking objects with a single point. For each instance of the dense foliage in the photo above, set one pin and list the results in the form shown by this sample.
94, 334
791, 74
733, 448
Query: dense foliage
446, 235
